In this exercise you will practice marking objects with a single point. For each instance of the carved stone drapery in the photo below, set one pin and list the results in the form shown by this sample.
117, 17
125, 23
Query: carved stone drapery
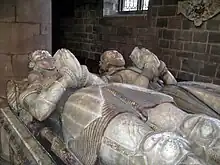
199, 10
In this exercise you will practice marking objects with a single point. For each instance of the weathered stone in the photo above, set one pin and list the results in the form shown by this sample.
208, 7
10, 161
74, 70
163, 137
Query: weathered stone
174, 23
156, 2
38, 42
3, 81
20, 65
186, 25
166, 59
208, 49
89, 28
217, 17
201, 56
200, 78
201, 27
6, 66
136, 22
208, 70
97, 28
168, 34
162, 22
176, 45
190, 65
175, 63
109, 45
45, 29
184, 76
123, 31
214, 59
168, 52
164, 43
35, 11
91, 56
109, 21
7, 11
86, 46
160, 33
218, 74
15, 37
184, 54
214, 37
195, 47
215, 49
183, 35
213, 25
154, 11
170, 2
216, 81
200, 36
167, 11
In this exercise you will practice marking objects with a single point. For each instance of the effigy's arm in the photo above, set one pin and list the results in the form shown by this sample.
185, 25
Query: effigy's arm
166, 75
201, 130
41, 101
88, 78
148, 73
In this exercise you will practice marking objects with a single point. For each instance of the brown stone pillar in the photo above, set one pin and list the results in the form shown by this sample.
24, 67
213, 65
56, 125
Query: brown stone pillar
25, 25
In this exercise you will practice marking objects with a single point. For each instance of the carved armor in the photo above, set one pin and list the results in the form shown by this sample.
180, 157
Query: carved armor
116, 123
103, 103
196, 97
148, 71
127, 76
112, 70
116, 127
149, 65
46, 86
111, 60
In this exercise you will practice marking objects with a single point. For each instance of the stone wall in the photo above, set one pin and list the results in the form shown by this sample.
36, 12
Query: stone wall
191, 53
88, 34
25, 25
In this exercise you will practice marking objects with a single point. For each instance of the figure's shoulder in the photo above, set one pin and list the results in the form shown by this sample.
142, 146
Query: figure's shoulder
99, 103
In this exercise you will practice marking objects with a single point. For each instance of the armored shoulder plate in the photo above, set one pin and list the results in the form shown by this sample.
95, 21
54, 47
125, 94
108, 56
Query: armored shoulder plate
88, 111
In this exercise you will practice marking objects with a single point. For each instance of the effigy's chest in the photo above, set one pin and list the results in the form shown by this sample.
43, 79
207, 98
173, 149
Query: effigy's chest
88, 112
86, 115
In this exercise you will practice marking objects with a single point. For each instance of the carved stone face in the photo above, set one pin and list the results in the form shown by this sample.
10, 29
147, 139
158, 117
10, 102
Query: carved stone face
205, 132
47, 63
103, 66
110, 58
41, 59
169, 148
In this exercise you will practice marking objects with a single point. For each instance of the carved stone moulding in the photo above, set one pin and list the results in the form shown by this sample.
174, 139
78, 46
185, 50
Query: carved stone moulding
199, 11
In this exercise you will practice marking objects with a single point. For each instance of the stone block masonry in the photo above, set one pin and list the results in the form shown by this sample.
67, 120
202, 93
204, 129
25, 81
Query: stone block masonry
25, 25
191, 53
88, 34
